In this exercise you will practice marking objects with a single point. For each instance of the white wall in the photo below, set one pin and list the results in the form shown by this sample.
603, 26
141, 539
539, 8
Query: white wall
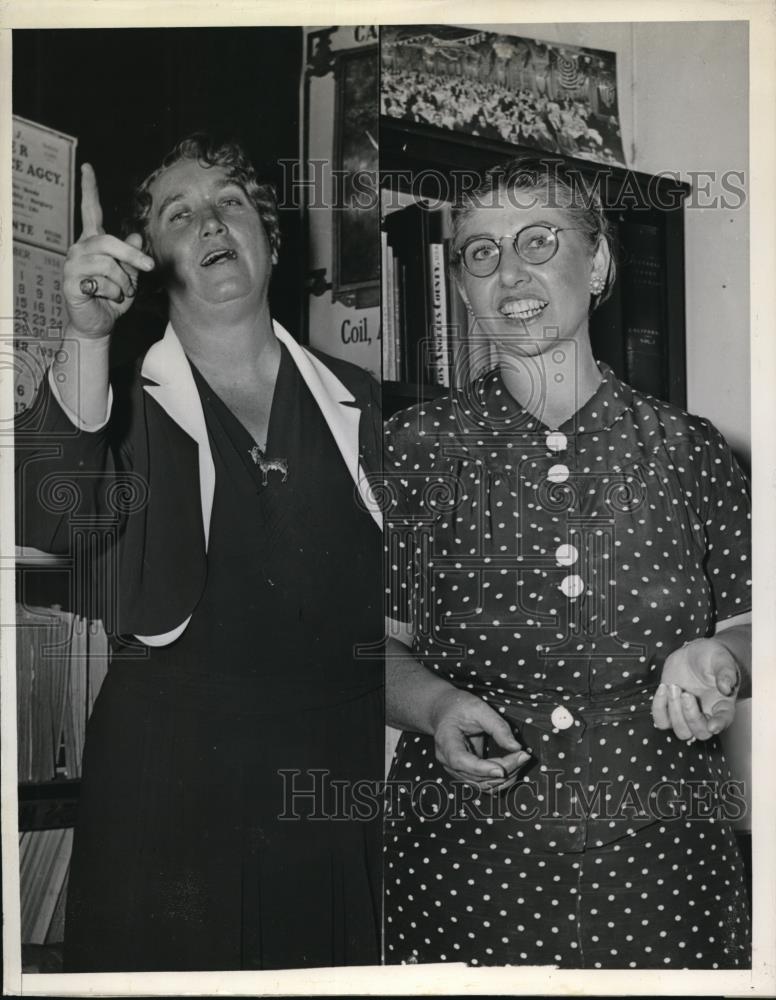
691, 114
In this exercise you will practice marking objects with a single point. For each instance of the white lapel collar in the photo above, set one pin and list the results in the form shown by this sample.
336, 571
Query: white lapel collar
335, 401
176, 392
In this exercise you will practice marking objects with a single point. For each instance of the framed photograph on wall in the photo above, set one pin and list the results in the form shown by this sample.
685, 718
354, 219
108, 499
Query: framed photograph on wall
356, 229
498, 86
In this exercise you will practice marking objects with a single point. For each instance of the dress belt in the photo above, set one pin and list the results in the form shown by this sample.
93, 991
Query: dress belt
582, 712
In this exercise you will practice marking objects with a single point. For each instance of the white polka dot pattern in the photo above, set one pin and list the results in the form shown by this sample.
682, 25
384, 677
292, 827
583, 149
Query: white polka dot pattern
550, 573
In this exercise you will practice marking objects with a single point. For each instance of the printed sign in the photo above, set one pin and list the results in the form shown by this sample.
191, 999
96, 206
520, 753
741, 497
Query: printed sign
43, 162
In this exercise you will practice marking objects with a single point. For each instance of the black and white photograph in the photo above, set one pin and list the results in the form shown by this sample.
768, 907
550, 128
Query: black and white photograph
386, 472
559, 98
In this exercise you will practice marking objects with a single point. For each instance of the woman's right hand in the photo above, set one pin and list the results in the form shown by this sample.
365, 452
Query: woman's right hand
111, 262
460, 723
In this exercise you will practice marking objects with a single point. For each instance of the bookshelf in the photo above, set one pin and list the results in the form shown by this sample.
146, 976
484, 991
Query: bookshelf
61, 662
639, 331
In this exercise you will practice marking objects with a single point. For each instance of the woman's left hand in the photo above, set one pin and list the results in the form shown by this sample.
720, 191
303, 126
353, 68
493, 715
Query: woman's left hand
698, 688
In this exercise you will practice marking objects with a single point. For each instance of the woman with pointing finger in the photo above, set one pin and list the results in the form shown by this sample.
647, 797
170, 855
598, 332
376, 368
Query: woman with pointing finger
223, 477
569, 567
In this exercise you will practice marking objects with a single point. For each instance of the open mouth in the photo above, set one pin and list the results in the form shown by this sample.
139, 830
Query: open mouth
218, 257
523, 309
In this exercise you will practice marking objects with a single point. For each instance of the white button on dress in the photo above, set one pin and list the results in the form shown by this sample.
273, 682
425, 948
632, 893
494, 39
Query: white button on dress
561, 718
557, 441
572, 586
558, 474
566, 555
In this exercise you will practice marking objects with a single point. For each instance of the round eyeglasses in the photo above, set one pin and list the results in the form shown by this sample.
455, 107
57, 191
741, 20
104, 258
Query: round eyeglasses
534, 244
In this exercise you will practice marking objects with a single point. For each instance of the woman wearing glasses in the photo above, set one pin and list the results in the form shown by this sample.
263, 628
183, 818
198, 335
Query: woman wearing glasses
569, 564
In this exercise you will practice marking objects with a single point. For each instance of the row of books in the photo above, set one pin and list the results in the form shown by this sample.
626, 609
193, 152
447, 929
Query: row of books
44, 860
61, 662
424, 320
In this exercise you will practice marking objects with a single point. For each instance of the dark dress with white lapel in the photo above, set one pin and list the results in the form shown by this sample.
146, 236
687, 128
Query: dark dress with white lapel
214, 827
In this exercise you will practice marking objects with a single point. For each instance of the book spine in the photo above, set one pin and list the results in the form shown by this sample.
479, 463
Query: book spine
643, 309
407, 235
460, 346
395, 319
399, 354
97, 662
386, 307
439, 366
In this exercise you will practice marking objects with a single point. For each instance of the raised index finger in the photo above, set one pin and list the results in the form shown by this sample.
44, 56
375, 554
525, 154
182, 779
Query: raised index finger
91, 210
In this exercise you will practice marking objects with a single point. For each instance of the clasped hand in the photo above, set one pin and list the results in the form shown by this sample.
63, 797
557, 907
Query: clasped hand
698, 688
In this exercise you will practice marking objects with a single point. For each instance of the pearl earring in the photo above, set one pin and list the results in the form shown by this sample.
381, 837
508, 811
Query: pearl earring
596, 285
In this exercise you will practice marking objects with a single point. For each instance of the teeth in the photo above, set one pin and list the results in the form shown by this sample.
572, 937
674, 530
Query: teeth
216, 255
523, 309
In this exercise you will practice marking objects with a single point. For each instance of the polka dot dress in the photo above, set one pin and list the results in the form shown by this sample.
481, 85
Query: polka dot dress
550, 572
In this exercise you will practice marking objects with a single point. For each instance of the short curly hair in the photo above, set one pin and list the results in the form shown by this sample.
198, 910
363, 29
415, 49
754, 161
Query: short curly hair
566, 190
232, 158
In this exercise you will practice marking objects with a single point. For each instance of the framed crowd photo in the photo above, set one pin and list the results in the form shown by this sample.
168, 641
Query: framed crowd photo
356, 223
546, 96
